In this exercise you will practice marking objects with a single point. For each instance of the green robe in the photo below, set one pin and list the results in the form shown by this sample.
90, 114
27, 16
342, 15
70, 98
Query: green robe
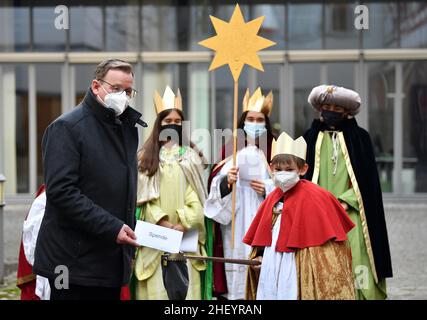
179, 203
339, 184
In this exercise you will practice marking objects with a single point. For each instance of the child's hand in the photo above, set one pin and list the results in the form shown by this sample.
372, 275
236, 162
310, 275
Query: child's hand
257, 267
232, 175
258, 186
344, 205
179, 227
165, 223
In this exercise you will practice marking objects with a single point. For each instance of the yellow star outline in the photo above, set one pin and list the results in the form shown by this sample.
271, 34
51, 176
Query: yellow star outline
236, 43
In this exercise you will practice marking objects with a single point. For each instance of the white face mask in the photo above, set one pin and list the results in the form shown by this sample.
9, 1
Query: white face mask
285, 180
254, 130
116, 101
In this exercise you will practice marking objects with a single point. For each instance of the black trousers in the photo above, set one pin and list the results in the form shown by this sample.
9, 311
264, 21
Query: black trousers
76, 292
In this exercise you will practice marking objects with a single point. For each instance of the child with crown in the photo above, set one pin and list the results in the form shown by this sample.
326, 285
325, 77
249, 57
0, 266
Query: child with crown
252, 181
171, 193
299, 234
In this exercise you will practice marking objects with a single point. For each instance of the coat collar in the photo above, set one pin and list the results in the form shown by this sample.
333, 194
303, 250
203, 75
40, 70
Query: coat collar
130, 116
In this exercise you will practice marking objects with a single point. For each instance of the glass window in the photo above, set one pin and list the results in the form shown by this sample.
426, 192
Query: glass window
168, 26
199, 23
160, 27
413, 24
383, 29
22, 127
224, 96
198, 101
198, 95
341, 74
14, 29
305, 25
340, 32
14, 129
86, 28
224, 106
273, 27
156, 76
380, 111
270, 80
48, 86
306, 77
192, 79
414, 173
46, 36
84, 74
122, 26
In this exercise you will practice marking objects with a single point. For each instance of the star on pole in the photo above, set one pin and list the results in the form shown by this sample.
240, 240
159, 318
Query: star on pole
236, 43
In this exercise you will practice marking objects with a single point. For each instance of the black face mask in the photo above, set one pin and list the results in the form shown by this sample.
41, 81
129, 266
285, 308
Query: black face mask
332, 118
171, 132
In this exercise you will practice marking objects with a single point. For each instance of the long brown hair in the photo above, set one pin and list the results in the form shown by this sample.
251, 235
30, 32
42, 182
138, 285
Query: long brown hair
148, 155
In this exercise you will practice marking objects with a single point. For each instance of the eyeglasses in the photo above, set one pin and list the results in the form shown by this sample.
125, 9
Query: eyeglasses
130, 92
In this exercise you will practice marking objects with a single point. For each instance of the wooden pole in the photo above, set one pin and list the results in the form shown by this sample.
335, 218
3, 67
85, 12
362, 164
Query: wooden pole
225, 260
166, 257
233, 195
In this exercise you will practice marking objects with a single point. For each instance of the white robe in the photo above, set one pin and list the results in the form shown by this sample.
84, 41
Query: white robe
278, 276
247, 203
29, 238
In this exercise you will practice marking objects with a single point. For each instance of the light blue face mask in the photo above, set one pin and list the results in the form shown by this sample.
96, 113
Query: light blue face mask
254, 130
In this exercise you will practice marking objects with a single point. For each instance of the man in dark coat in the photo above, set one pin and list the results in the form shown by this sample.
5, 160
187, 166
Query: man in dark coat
341, 159
86, 242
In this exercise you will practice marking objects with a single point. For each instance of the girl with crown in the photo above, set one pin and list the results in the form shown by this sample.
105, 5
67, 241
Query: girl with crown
252, 178
171, 193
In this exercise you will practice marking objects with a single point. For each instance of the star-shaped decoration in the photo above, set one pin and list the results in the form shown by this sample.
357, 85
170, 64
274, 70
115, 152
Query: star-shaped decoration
236, 43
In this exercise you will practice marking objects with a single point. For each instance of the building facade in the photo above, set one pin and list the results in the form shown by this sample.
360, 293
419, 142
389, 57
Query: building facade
46, 66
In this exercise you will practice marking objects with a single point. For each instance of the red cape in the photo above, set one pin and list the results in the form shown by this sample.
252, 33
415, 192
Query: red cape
26, 280
311, 216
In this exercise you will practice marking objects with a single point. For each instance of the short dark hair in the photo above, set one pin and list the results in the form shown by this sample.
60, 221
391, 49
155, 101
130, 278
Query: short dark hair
112, 64
288, 159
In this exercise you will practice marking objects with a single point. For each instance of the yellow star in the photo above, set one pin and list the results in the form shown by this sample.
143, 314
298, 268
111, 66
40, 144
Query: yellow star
236, 43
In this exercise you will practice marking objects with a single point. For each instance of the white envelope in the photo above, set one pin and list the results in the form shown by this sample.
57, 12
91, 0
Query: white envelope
251, 165
158, 237
190, 240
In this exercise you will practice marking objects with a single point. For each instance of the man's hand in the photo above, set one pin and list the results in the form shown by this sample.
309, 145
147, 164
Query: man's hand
127, 236
232, 175
258, 267
258, 186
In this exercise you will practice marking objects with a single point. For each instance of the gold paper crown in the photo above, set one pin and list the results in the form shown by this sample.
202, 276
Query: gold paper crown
286, 145
169, 100
258, 102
